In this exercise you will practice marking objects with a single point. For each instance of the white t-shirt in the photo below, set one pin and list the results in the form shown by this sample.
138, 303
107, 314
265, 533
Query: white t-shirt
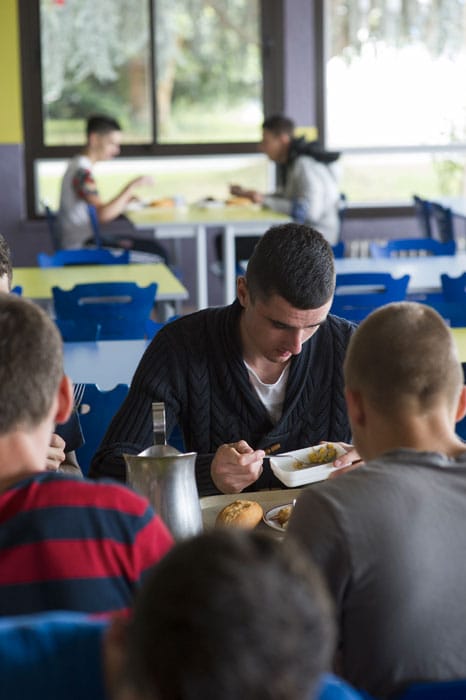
271, 395
74, 224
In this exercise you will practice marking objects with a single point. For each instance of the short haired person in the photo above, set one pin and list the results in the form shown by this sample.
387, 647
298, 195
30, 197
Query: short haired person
307, 178
390, 536
225, 615
79, 189
67, 543
266, 370
68, 437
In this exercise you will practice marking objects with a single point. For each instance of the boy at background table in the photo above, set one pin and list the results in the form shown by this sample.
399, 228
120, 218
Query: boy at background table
225, 615
69, 437
79, 189
66, 543
266, 370
390, 536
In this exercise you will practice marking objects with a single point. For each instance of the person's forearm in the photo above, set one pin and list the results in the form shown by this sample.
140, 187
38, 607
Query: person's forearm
111, 210
278, 203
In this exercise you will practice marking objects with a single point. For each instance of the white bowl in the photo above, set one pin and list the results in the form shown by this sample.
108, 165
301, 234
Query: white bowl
284, 466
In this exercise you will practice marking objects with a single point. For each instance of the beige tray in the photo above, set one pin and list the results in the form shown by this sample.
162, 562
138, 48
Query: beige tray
212, 505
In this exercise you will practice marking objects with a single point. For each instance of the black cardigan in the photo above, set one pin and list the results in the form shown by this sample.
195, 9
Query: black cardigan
195, 366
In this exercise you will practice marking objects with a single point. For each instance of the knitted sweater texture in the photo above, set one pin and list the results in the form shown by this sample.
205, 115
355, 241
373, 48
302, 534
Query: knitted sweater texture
195, 366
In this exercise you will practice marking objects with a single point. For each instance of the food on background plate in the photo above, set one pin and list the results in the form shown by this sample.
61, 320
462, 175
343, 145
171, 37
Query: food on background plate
241, 513
238, 201
163, 202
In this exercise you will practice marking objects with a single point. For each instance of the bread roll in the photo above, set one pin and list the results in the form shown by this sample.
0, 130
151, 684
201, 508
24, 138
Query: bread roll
240, 513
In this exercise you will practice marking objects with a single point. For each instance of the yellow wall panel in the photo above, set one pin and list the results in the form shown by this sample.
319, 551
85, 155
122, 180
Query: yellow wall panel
10, 82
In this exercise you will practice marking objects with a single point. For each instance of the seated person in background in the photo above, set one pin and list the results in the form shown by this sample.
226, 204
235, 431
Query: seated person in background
267, 369
389, 536
307, 178
68, 437
103, 140
67, 543
226, 615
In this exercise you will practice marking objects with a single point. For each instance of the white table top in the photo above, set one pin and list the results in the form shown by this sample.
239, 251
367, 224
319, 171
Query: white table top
105, 363
424, 271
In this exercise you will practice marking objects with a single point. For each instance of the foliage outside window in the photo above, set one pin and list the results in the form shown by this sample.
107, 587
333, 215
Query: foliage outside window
196, 78
393, 77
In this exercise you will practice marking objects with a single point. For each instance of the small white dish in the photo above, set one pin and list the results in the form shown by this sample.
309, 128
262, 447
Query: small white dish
284, 466
270, 517
210, 204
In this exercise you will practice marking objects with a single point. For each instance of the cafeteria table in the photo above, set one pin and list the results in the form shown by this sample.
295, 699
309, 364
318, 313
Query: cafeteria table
37, 282
191, 222
105, 362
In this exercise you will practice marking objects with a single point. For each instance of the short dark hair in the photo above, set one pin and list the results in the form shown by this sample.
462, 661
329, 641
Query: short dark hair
31, 363
101, 124
279, 124
5, 260
295, 262
231, 614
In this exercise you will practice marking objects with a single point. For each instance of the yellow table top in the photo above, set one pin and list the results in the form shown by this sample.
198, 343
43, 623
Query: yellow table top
37, 282
459, 334
192, 215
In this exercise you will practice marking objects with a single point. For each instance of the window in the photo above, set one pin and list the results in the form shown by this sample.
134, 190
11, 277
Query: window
182, 78
393, 97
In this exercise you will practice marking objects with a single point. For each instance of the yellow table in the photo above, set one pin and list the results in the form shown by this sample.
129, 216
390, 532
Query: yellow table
459, 334
191, 222
37, 282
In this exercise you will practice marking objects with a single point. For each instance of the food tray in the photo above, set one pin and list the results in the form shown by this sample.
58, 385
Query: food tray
286, 471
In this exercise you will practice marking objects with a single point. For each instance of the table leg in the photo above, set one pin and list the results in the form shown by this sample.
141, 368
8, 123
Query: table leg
201, 260
229, 263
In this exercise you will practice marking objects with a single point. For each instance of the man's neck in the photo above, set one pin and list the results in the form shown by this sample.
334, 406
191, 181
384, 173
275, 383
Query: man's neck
22, 454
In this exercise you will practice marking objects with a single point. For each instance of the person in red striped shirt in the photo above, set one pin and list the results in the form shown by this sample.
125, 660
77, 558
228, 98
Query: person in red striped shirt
66, 543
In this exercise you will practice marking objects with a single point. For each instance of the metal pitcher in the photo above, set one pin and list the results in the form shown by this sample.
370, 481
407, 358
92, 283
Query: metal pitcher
166, 477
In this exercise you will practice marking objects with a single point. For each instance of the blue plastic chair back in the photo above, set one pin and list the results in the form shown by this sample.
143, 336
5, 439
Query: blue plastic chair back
442, 229
153, 327
82, 330
359, 293
437, 690
338, 250
454, 288
453, 312
83, 256
120, 308
422, 210
429, 246
96, 409
18, 290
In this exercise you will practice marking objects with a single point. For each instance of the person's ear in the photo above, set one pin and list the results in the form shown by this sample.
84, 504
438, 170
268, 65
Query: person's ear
461, 405
355, 406
65, 400
242, 291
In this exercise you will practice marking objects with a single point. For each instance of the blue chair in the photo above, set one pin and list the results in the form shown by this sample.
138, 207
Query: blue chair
453, 312
398, 246
442, 218
52, 224
78, 331
422, 210
339, 250
96, 409
18, 290
120, 308
82, 256
359, 293
342, 208
434, 690
454, 288
153, 327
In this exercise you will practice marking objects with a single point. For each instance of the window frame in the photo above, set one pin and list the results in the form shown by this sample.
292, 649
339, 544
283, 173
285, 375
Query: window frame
272, 40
